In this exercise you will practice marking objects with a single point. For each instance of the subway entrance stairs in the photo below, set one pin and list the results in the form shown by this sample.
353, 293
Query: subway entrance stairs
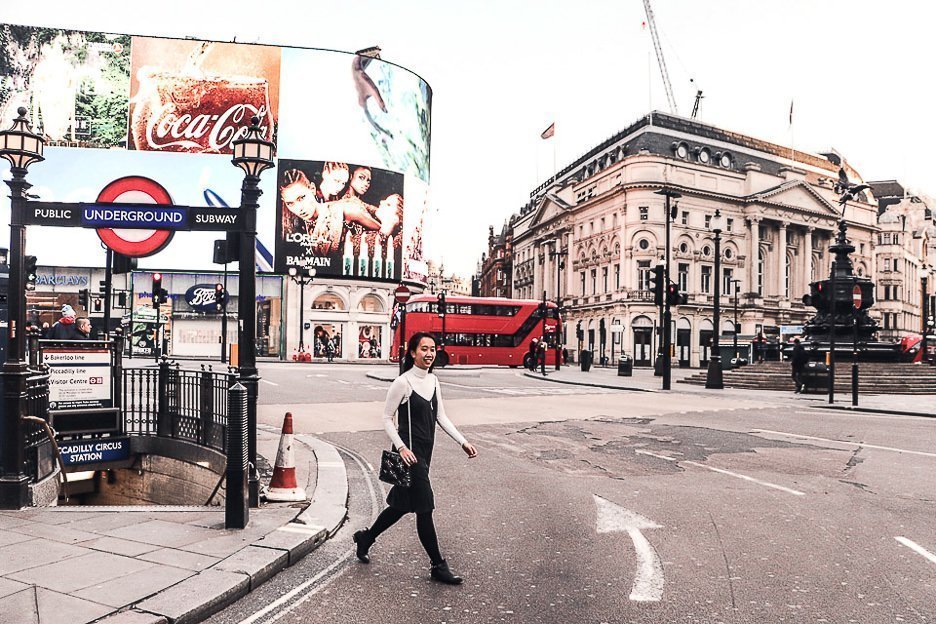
873, 377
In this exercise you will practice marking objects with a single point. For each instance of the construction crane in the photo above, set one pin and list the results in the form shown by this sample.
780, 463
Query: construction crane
659, 54
695, 107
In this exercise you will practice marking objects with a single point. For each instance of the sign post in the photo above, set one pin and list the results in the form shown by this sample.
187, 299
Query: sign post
402, 295
856, 303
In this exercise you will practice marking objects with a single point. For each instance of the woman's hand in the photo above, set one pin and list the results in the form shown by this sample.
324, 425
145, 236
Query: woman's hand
408, 457
470, 450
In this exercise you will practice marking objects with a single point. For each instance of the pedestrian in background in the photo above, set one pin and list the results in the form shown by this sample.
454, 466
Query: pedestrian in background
416, 398
84, 328
64, 328
798, 361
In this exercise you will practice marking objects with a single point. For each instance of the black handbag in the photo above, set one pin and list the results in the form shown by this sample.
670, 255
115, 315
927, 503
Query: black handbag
393, 469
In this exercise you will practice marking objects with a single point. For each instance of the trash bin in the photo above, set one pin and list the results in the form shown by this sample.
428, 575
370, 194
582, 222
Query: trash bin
586, 360
816, 377
625, 366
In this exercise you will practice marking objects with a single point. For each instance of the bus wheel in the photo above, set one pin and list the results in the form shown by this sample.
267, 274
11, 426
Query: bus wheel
442, 359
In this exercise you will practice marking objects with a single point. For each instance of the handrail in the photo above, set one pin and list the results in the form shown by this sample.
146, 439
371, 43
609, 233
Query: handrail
58, 455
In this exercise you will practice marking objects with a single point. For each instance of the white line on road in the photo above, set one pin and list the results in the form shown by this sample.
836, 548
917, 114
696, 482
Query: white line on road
816, 411
342, 381
723, 471
861, 444
916, 548
269, 382
648, 582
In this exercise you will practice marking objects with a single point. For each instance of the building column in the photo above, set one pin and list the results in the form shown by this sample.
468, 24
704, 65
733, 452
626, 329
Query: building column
537, 273
807, 258
782, 253
753, 246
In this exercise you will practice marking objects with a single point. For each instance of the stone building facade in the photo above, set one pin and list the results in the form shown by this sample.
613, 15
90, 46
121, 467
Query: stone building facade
495, 272
591, 234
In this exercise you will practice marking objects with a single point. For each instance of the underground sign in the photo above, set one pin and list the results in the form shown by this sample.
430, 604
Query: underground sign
135, 243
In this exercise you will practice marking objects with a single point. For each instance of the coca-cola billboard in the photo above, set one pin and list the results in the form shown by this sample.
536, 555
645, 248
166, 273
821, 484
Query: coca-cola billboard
198, 96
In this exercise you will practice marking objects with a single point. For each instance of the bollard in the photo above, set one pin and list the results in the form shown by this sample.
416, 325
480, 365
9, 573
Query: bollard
206, 406
236, 508
163, 420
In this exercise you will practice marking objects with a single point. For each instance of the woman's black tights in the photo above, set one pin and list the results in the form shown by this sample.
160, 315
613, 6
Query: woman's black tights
425, 529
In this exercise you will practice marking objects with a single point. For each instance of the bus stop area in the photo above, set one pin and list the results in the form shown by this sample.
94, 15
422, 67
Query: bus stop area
158, 564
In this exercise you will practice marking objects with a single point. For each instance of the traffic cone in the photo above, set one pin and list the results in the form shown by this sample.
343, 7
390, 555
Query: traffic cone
283, 486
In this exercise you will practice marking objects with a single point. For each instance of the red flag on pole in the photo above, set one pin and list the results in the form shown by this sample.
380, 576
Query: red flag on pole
549, 132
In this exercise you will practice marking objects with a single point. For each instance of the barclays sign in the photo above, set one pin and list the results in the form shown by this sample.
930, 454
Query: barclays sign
201, 297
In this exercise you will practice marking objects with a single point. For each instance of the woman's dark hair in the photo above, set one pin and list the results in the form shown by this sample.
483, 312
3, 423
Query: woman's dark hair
411, 345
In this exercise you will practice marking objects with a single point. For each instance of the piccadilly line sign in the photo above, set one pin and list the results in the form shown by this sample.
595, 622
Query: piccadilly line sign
132, 216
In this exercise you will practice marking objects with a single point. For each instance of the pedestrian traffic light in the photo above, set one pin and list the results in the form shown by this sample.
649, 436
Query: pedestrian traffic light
84, 298
656, 281
29, 270
674, 297
160, 294
123, 264
219, 296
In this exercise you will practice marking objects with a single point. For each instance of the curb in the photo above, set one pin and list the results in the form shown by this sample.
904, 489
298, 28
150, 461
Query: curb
211, 590
875, 410
586, 384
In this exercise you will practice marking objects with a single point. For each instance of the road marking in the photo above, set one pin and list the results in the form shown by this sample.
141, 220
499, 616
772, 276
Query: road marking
342, 381
612, 518
269, 382
825, 412
737, 475
860, 444
916, 548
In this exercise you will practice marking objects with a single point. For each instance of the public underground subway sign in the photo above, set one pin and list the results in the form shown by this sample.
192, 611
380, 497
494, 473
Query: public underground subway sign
78, 378
201, 297
134, 216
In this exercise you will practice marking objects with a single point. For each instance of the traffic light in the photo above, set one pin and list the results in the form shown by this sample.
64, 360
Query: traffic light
674, 297
84, 298
656, 281
579, 332
123, 264
29, 270
102, 286
160, 294
219, 296
441, 303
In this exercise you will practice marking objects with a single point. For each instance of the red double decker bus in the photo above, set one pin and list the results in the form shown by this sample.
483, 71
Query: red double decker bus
480, 330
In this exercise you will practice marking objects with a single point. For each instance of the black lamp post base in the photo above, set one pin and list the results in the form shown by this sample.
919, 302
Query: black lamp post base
713, 376
14, 492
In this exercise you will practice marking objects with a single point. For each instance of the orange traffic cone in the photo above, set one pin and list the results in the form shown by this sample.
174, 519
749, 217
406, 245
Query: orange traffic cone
283, 486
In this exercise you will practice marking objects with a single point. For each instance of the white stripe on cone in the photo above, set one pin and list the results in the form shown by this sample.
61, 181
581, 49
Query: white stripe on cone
283, 485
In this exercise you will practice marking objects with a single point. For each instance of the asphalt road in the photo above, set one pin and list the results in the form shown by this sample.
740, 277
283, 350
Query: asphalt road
613, 506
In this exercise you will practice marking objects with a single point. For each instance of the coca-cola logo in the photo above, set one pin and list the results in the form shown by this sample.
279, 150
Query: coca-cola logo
202, 297
168, 128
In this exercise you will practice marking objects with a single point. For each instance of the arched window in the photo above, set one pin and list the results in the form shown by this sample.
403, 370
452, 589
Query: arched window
328, 301
370, 303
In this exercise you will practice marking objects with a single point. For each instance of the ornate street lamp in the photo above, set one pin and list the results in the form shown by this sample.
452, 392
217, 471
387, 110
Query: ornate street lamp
21, 147
670, 210
302, 279
254, 155
713, 377
735, 287
560, 265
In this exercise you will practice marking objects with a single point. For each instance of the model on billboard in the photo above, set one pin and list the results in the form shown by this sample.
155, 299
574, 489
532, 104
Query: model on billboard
345, 220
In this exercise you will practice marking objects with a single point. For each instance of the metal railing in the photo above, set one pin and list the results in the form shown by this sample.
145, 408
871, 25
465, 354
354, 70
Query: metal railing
39, 457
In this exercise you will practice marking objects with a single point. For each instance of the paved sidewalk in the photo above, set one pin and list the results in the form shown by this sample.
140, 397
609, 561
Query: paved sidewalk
643, 380
159, 565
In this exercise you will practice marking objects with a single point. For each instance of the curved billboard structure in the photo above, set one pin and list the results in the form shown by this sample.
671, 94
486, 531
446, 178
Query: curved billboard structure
350, 190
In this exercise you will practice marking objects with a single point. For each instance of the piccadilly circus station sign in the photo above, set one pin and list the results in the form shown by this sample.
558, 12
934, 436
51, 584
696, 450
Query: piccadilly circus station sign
133, 216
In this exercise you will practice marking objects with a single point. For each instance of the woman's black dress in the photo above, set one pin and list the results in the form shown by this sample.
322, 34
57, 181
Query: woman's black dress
417, 498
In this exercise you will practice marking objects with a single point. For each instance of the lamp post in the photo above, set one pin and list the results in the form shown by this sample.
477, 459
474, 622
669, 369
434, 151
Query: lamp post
925, 312
21, 147
735, 285
713, 377
302, 279
560, 265
254, 155
667, 314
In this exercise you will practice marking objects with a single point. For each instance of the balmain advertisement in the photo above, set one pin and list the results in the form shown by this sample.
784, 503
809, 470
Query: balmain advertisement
342, 219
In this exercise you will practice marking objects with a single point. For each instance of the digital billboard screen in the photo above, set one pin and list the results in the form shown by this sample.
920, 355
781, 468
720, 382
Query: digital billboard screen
105, 100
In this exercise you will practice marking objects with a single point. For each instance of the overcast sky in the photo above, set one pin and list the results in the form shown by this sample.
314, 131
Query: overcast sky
860, 74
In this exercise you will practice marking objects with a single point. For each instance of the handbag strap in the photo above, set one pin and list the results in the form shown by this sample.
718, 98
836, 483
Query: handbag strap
409, 414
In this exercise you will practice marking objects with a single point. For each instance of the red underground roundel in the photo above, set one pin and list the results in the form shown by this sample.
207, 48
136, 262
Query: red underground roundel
129, 242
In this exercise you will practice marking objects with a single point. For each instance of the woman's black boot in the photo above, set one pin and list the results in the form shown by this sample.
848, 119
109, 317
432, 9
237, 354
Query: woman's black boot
440, 572
364, 541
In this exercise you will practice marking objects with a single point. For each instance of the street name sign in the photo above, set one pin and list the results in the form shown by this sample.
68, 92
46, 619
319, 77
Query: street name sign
92, 451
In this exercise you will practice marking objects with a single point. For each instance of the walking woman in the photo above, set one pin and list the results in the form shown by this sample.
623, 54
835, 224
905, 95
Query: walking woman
417, 398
